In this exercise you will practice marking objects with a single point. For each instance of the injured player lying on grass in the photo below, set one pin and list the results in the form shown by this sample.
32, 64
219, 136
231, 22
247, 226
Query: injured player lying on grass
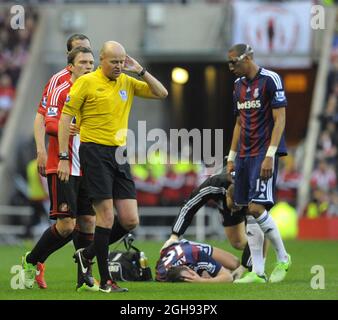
195, 262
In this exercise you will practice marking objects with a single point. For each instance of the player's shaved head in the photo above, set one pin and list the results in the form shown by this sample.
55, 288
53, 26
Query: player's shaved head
242, 48
112, 58
112, 47
240, 60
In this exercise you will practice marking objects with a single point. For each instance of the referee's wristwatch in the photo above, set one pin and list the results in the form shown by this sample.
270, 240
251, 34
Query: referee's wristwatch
142, 72
63, 156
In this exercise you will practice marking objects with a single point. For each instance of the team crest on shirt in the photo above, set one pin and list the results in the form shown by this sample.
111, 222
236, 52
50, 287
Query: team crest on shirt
68, 98
256, 93
123, 95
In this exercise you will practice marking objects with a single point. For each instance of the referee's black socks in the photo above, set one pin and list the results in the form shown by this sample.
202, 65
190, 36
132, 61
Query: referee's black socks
117, 231
82, 239
246, 258
101, 247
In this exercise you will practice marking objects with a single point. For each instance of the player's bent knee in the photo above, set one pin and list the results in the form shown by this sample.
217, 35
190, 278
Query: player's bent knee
65, 226
86, 223
238, 244
131, 223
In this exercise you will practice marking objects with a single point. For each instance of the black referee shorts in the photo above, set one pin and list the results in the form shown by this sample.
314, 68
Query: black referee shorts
68, 199
105, 177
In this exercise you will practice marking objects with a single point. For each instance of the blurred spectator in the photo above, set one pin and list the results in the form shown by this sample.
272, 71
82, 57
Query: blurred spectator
333, 204
161, 183
148, 188
323, 177
172, 183
37, 196
318, 205
288, 181
327, 145
7, 94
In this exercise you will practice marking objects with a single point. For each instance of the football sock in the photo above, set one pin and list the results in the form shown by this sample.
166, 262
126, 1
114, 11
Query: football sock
117, 231
82, 239
255, 242
270, 229
75, 237
49, 242
246, 258
101, 244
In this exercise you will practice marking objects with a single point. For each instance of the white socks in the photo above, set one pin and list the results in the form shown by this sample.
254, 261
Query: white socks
255, 240
270, 229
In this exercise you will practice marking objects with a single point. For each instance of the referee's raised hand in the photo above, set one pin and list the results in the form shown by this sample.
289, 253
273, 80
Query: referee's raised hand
63, 170
132, 65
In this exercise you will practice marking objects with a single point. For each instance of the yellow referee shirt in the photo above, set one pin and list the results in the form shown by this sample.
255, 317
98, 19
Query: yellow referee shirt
103, 106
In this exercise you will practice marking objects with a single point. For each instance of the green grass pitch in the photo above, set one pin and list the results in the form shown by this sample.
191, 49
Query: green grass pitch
61, 274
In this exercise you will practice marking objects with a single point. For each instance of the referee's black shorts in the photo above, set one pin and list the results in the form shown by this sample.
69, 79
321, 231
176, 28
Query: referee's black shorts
68, 199
105, 177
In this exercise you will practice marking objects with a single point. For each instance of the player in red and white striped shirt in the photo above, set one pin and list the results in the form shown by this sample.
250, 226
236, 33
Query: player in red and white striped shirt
60, 77
54, 108
68, 200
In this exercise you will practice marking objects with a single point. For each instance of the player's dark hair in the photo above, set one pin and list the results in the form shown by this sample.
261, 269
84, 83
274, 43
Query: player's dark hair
72, 55
242, 48
174, 274
76, 36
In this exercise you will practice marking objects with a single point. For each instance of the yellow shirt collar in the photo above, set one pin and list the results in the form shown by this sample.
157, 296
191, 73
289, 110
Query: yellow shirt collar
102, 75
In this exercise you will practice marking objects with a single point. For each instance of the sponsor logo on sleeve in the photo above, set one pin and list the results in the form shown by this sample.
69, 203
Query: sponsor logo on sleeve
52, 111
44, 101
280, 96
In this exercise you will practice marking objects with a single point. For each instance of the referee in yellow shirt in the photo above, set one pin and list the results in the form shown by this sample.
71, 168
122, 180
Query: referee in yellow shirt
101, 101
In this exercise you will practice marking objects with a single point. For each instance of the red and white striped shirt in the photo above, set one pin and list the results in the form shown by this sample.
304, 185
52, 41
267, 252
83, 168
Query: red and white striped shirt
55, 103
54, 81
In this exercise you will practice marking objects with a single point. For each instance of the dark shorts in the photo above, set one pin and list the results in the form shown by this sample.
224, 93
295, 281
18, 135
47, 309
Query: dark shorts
105, 177
230, 219
248, 185
68, 199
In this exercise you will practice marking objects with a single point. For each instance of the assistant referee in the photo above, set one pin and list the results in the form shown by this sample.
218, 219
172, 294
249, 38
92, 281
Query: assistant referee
101, 101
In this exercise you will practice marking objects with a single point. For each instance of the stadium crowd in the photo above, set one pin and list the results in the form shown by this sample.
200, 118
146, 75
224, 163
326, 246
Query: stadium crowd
324, 185
159, 184
14, 46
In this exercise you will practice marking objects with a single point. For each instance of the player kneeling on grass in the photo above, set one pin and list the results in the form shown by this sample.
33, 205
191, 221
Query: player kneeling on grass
195, 262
